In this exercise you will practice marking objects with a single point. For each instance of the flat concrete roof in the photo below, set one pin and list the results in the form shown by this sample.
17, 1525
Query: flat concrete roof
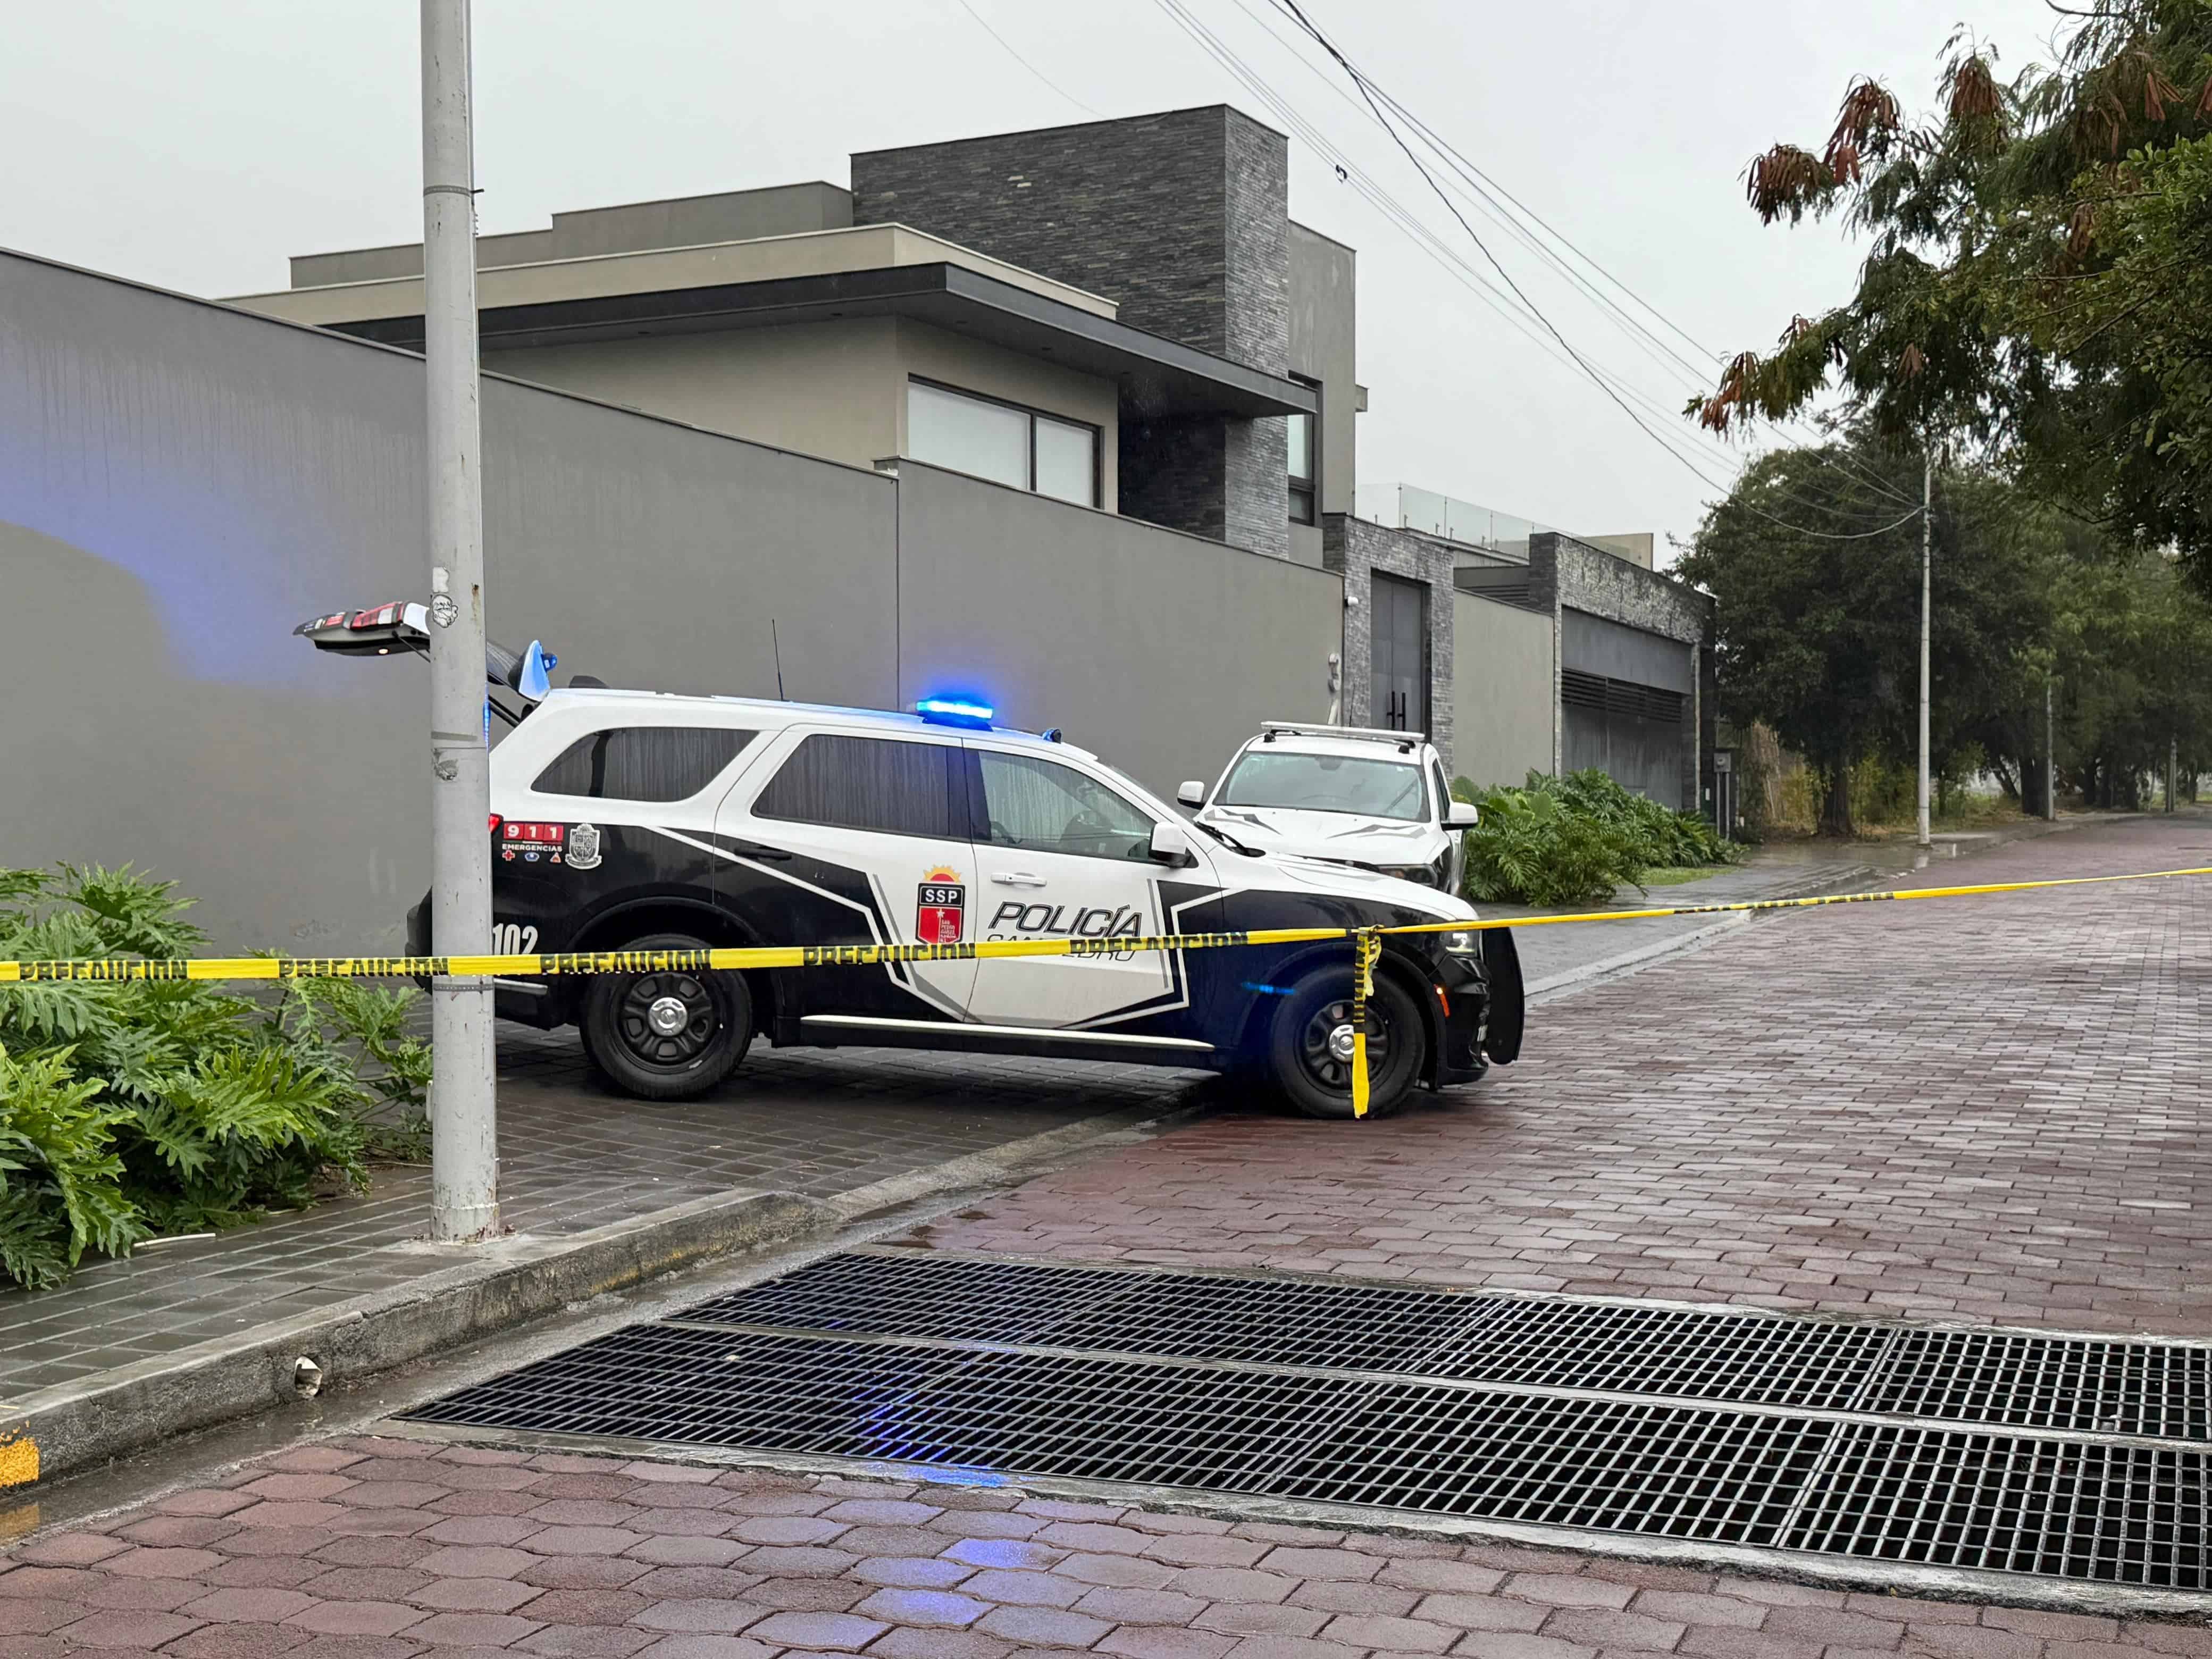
813, 277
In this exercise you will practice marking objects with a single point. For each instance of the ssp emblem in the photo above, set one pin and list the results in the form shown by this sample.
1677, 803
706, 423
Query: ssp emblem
938, 911
584, 846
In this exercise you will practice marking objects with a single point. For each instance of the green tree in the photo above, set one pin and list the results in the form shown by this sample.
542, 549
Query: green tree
2040, 279
2132, 649
1819, 635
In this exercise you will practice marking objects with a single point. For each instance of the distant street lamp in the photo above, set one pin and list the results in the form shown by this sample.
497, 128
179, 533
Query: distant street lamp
1927, 541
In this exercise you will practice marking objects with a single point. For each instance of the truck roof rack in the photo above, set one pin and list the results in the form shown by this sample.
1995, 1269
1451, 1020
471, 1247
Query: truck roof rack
1270, 729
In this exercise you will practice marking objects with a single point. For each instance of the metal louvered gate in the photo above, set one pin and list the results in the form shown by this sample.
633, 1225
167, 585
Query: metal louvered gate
2075, 1458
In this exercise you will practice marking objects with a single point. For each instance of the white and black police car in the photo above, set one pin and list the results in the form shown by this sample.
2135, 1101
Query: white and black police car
644, 820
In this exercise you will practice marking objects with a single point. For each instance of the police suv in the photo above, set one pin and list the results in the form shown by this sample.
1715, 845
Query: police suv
644, 820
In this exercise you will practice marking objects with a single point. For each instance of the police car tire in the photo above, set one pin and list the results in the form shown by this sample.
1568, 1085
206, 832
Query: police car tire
677, 1079
1390, 1080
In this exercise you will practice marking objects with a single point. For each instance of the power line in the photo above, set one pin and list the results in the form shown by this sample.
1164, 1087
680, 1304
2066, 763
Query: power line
1603, 382
982, 23
1503, 275
1518, 316
1482, 186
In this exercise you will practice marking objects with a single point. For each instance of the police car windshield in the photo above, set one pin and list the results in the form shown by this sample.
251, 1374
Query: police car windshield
1326, 783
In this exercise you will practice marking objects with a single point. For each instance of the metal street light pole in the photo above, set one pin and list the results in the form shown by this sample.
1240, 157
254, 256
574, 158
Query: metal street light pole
1927, 525
2049, 755
463, 1145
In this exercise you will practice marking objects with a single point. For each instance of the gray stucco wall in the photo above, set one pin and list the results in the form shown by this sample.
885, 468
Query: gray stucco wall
1324, 347
1161, 653
181, 484
1501, 691
676, 221
1596, 645
1355, 549
1181, 220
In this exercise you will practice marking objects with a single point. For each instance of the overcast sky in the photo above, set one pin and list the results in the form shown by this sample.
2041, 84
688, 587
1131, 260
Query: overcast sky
196, 146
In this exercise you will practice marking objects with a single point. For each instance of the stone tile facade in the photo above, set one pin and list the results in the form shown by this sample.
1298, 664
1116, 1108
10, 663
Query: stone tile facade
1183, 219
1356, 548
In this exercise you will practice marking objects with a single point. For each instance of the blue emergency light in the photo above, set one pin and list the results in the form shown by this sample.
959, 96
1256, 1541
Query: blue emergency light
956, 711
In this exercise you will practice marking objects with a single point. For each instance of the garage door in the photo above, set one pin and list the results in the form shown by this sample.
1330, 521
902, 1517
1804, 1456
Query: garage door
1631, 733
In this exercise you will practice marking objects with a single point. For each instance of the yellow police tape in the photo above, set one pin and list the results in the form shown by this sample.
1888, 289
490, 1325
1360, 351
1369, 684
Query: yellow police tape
1367, 948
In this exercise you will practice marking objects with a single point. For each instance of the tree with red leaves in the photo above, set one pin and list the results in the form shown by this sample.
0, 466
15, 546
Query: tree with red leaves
2039, 281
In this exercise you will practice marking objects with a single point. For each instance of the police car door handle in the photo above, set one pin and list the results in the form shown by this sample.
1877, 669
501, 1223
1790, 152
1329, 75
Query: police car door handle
1017, 879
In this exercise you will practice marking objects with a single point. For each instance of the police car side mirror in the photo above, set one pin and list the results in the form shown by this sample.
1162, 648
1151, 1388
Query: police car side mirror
1169, 845
1191, 792
1462, 815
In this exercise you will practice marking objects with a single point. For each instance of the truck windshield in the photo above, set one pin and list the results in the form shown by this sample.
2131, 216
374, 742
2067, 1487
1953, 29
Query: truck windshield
1325, 783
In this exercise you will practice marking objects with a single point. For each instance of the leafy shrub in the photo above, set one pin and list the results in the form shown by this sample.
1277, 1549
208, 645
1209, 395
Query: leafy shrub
1662, 838
1531, 849
1573, 840
130, 1109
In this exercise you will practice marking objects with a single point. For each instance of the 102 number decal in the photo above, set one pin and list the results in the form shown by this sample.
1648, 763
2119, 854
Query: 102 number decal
511, 940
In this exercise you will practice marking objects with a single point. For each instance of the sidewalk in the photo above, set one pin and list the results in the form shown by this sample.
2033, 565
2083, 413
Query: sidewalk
597, 1190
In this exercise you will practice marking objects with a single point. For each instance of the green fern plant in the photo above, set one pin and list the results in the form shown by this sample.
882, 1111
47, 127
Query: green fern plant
60, 1180
127, 1110
1530, 849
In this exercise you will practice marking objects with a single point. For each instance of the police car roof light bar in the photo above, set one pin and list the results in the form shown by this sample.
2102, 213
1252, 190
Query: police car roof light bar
956, 711
1271, 729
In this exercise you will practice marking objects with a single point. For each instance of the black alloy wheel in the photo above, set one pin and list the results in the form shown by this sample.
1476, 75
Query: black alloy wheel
667, 1034
1310, 1045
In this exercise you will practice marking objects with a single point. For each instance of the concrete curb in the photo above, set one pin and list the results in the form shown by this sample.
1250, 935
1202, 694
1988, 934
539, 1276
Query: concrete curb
489, 1288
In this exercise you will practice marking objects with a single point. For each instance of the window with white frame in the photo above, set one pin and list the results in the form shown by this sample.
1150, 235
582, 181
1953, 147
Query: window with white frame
1004, 442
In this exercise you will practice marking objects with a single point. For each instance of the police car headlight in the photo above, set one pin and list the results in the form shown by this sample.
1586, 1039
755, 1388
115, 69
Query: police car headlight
1463, 945
1420, 874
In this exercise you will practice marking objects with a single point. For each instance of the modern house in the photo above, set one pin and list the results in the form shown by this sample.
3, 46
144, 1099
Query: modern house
1066, 417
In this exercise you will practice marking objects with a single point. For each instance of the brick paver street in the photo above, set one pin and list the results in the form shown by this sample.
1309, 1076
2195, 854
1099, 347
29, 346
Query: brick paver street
1984, 1107
386, 1549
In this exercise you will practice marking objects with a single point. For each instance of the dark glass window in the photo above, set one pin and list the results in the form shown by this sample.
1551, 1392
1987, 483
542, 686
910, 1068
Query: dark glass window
1443, 791
643, 762
1051, 808
1304, 443
868, 783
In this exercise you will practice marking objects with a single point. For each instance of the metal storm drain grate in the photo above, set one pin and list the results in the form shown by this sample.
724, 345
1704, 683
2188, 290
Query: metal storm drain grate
2008, 1379
1743, 1430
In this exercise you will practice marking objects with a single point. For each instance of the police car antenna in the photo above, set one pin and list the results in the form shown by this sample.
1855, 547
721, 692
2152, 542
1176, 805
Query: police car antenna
776, 646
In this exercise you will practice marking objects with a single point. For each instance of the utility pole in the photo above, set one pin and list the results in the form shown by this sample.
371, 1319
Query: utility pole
464, 1136
2172, 767
2049, 755
1927, 549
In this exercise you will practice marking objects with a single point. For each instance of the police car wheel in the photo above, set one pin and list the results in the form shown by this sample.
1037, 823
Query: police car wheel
667, 1035
1309, 1047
